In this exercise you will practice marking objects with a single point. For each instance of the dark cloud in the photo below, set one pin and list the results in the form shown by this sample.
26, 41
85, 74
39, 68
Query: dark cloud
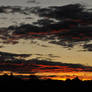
5, 56
52, 56
17, 63
72, 11
87, 47
14, 9
1, 46
35, 66
44, 22
8, 9
44, 46
74, 26
68, 33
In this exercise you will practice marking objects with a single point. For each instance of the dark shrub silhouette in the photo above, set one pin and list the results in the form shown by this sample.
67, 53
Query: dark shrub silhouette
34, 83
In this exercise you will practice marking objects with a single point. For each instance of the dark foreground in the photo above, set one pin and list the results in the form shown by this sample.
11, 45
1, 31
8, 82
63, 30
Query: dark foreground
34, 84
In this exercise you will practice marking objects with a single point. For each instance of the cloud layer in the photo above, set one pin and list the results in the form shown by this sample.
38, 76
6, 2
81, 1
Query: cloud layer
61, 25
17, 63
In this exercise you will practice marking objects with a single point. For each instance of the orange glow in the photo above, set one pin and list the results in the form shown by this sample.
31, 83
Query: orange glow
58, 72
67, 75
56, 76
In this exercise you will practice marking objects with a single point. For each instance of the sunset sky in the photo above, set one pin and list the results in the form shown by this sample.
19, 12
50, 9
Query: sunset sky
56, 33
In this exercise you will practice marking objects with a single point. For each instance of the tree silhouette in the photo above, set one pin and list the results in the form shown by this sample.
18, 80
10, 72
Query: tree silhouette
33, 77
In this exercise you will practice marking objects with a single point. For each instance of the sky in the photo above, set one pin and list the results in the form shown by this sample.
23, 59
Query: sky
43, 2
50, 30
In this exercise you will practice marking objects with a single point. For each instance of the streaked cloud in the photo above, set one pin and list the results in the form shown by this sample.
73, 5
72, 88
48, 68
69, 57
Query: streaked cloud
17, 63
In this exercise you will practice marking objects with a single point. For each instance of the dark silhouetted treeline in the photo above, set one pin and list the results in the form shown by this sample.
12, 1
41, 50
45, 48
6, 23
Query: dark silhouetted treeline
33, 83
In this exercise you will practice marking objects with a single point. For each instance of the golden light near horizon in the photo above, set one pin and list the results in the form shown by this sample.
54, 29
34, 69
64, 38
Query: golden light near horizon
54, 76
